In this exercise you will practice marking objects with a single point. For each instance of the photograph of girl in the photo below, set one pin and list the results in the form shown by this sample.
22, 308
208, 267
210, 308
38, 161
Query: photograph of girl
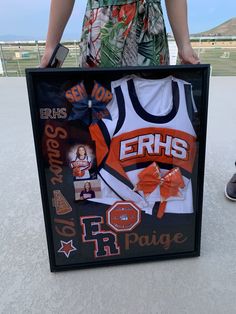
87, 191
82, 164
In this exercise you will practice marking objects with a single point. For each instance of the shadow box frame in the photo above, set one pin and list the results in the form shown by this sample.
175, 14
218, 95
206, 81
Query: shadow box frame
65, 254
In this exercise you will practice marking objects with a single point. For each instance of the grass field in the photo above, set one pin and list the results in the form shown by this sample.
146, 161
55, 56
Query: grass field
222, 60
16, 58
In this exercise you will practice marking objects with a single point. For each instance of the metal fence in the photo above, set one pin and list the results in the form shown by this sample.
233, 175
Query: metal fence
15, 57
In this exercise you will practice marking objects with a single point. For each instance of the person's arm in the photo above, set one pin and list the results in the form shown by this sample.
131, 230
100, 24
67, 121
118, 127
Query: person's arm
177, 14
60, 12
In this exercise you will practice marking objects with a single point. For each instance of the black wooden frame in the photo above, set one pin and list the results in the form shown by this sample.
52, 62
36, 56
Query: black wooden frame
186, 72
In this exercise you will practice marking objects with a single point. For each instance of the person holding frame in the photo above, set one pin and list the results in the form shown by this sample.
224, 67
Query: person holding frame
120, 33
123, 32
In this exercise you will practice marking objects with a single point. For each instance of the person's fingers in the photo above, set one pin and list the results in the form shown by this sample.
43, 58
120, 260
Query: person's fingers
192, 59
46, 57
44, 62
196, 58
188, 56
42, 65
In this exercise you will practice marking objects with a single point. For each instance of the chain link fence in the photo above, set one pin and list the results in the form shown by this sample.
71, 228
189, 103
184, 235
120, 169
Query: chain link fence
15, 57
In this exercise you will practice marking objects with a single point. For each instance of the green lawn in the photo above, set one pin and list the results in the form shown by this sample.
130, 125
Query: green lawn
222, 60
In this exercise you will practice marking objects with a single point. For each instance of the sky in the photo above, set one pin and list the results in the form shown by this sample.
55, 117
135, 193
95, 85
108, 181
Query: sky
30, 18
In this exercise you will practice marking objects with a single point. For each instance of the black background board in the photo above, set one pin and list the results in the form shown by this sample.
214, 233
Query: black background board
57, 81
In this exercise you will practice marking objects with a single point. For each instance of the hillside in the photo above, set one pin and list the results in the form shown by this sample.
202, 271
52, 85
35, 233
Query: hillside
227, 28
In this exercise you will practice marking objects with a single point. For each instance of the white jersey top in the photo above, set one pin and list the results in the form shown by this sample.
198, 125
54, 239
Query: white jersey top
150, 123
84, 165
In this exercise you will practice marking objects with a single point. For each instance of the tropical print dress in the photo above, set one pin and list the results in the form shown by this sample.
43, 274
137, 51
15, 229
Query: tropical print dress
123, 33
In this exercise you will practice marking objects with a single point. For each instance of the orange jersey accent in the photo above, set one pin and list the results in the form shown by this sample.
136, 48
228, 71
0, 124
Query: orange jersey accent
101, 145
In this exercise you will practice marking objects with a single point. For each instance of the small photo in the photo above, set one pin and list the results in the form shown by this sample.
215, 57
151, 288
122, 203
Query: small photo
83, 162
87, 189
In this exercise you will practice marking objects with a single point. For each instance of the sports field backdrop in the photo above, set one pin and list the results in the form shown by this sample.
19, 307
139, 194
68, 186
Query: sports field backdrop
220, 52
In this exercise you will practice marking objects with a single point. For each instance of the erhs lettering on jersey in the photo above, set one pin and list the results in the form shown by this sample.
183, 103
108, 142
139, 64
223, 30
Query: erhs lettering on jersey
154, 144
159, 144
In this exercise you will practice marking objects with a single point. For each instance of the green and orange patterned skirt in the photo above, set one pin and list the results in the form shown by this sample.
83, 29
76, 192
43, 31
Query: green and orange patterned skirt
123, 33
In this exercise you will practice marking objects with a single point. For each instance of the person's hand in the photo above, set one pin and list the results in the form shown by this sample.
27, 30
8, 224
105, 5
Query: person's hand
188, 56
46, 57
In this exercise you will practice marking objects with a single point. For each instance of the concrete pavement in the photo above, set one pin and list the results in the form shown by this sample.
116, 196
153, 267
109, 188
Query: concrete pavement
197, 285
